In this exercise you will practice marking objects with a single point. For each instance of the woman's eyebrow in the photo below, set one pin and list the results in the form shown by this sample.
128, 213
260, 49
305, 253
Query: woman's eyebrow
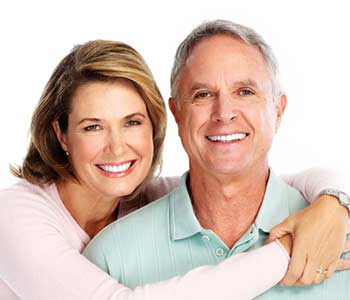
89, 120
134, 115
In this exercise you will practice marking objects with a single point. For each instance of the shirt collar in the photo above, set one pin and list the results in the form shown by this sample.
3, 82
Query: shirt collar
183, 221
274, 208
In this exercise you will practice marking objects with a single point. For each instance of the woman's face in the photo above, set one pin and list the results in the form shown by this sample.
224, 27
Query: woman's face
109, 138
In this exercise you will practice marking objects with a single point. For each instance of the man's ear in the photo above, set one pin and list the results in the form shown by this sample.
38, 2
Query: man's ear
174, 110
280, 108
60, 135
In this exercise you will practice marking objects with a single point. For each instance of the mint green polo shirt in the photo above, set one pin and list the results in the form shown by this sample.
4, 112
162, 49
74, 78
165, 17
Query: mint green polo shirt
164, 239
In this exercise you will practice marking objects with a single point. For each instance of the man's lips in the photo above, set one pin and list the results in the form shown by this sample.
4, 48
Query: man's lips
226, 138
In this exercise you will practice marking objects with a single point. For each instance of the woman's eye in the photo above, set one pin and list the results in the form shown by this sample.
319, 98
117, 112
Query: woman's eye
245, 92
93, 127
131, 123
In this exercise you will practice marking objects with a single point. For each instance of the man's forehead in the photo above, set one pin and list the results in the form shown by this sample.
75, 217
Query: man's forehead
224, 57
221, 45
221, 51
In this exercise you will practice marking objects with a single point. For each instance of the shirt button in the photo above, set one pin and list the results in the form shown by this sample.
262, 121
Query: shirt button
205, 238
252, 230
219, 252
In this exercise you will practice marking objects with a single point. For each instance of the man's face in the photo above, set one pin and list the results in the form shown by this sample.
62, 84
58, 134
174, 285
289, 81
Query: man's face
227, 116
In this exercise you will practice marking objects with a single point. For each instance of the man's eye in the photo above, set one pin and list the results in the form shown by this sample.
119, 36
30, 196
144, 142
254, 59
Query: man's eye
245, 92
131, 123
93, 127
202, 95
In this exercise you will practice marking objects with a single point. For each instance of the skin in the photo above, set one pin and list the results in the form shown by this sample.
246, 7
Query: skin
217, 101
108, 126
287, 243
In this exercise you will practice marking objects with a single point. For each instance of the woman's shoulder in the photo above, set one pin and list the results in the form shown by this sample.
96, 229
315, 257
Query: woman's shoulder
25, 196
24, 189
40, 207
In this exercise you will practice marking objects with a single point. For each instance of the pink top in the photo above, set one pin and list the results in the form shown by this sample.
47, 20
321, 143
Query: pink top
40, 256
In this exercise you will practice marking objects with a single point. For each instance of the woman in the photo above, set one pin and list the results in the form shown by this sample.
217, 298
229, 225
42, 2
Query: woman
96, 140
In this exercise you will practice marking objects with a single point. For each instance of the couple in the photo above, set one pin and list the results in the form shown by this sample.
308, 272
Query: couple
97, 136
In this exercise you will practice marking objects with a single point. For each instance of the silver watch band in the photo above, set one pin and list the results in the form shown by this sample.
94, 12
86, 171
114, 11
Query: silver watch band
342, 197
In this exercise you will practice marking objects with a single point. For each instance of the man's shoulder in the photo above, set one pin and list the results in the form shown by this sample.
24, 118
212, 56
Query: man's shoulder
294, 198
138, 222
120, 241
157, 206
290, 195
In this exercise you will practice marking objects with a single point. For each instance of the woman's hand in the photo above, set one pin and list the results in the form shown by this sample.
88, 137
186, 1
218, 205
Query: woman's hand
287, 242
319, 233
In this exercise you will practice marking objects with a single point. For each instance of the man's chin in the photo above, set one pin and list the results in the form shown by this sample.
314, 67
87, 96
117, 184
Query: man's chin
228, 169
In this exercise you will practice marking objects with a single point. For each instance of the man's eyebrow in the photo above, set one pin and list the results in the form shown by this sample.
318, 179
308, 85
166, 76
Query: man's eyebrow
247, 82
197, 86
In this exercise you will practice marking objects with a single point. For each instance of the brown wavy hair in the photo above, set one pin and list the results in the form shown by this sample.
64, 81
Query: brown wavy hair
97, 60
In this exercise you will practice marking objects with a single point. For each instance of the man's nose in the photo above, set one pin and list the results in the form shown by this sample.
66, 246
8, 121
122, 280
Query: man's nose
224, 109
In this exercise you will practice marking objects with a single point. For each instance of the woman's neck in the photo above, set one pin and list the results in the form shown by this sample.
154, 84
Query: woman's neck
90, 210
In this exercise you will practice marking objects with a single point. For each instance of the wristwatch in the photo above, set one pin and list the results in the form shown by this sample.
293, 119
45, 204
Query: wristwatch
342, 197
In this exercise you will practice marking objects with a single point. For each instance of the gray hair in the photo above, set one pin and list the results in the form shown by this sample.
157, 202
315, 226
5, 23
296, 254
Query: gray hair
222, 27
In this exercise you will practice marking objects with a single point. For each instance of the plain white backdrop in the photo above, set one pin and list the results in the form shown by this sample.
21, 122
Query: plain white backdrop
309, 38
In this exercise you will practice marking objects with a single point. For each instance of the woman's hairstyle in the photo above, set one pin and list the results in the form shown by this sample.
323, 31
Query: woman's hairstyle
94, 61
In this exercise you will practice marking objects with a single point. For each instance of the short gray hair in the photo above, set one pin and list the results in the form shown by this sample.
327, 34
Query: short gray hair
222, 27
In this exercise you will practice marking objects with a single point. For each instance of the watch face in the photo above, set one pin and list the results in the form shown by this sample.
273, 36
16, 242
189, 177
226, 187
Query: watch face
344, 199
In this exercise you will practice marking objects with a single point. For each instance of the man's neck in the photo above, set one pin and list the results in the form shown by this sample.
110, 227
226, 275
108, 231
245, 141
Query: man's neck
227, 206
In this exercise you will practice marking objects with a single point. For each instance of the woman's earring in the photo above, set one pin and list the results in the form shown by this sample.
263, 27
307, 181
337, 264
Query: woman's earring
67, 153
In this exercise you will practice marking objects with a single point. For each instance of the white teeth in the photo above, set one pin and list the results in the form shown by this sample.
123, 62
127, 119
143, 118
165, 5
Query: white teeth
227, 138
115, 169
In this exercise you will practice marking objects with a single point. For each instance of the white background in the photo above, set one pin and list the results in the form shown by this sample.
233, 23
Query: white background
310, 40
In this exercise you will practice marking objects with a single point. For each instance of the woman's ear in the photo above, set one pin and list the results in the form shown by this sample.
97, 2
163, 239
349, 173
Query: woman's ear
62, 138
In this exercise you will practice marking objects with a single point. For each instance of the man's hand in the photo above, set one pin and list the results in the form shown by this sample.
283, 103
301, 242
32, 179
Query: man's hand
319, 233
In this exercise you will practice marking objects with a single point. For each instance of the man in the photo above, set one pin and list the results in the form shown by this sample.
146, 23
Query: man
228, 104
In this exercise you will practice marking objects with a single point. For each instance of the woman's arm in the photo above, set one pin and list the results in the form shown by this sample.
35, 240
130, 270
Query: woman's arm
308, 182
39, 262
312, 181
242, 276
